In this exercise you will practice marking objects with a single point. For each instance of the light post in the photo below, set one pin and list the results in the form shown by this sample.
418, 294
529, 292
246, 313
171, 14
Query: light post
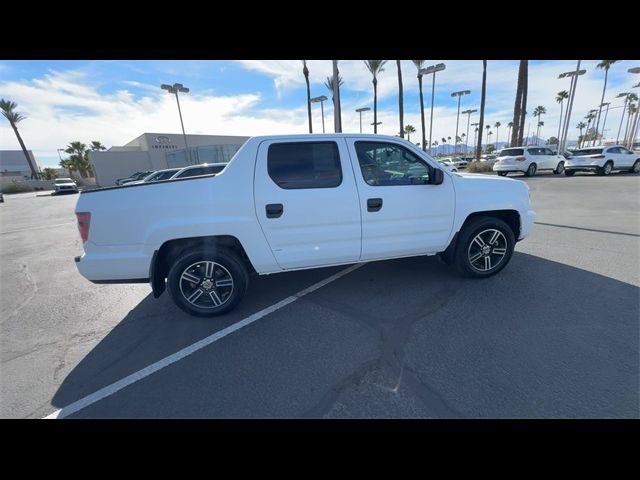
634, 123
360, 110
624, 109
60, 150
459, 94
468, 112
604, 122
426, 71
175, 88
376, 123
320, 99
572, 90
475, 136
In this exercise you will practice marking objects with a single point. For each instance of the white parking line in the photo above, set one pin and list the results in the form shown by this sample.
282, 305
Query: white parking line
185, 352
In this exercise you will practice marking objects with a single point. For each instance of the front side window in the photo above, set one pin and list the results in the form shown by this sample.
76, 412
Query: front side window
304, 165
388, 164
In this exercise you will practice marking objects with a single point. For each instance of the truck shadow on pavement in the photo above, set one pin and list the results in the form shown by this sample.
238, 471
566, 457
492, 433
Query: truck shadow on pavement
540, 339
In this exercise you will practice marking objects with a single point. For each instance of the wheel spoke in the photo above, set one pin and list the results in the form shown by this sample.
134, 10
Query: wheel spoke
494, 237
499, 251
475, 257
195, 296
215, 298
227, 282
479, 241
189, 277
208, 270
487, 262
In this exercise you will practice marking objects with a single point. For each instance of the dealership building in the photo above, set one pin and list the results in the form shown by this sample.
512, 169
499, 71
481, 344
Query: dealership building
157, 151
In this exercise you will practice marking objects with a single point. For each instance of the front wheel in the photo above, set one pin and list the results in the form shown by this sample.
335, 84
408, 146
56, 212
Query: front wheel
484, 247
206, 282
636, 167
502, 174
559, 169
531, 171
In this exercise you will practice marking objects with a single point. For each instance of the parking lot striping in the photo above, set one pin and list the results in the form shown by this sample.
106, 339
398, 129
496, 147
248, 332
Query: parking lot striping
185, 352
587, 229
36, 228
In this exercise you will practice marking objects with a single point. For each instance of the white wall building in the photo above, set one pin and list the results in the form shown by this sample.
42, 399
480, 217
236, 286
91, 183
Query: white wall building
157, 151
14, 164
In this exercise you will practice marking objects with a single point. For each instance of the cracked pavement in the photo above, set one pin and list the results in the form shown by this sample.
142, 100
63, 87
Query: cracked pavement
554, 335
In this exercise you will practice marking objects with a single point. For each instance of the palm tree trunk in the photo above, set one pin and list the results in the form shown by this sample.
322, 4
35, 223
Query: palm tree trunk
375, 105
306, 77
34, 173
482, 99
516, 107
497, 133
337, 116
523, 107
424, 139
606, 74
400, 100
626, 129
559, 123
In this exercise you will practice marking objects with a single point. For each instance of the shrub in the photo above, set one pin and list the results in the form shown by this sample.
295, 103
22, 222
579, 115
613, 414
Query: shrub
480, 167
17, 188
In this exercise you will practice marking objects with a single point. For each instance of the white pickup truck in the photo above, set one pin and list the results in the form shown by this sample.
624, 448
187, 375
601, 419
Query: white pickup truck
293, 202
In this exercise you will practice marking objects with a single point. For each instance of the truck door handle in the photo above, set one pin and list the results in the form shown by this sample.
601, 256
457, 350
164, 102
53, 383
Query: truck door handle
274, 210
374, 204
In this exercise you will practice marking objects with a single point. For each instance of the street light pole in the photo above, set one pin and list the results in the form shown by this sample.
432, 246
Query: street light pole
459, 95
624, 109
468, 112
376, 123
426, 71
604, 122
572, 91
321, 100
175, 88
360, 110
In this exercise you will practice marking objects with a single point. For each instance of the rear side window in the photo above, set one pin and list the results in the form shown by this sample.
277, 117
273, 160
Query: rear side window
512, 152
587, 151
535, 151
304, 165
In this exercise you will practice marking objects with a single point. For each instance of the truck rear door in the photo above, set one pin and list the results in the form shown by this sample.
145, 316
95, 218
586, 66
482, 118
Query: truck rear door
307, 203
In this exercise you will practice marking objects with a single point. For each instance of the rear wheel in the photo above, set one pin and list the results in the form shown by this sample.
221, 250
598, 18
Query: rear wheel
606, 170
484, 247
531, 171
559, 169
502, 174
206, 282
569, 173
636, 167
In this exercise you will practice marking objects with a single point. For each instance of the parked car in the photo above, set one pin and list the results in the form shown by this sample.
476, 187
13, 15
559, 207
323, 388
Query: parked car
134, 177
488, 157
528, 160
450, 166
295, 202
456, 162
197, 170
602, 160
64, 185
156, 176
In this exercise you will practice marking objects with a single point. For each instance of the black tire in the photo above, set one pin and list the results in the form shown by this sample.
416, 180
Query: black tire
468, 234
229, 265
502, 174
569, 173
606, 169
636, 167
559, 168
531, 171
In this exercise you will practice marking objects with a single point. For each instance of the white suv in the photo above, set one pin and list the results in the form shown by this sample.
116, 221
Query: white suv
528, 160
602, 160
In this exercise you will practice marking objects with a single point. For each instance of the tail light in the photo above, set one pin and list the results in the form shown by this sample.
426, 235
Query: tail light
598, 156
84, 219
521, 158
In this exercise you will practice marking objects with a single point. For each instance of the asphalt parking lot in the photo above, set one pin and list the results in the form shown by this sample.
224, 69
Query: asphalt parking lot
554, 335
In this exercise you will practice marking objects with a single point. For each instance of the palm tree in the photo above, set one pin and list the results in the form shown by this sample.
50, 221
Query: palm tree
580, 125
337, 106
419, 64
409, 129
538, 112
603, 65
434, 143
510, 126
540, 125
449, 141
444, 142
400, 98
305, 71
560, 98
520, 106
77, 160
487, 127
329, 85
375, 67
482, 100
631, 110
8, 110
96, 146
462, 138
589, 117
497, 125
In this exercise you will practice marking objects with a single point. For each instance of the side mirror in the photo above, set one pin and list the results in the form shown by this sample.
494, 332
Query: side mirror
437, 177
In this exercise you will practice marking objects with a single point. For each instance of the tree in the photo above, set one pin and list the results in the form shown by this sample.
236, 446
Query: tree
603, 65
305, 72
490, 148
462, 138
49, 173
444, 142
487, 127
78, 159
419, 64
96, 146
497, 125
580, 126
540, 125
510, 126
589, 118
400, 98
631, 110
375, 67
8, 110
538, 112
434, 143
409, 129
337, 106
482, 100
449, 141
553, 141
520, 106
560, 98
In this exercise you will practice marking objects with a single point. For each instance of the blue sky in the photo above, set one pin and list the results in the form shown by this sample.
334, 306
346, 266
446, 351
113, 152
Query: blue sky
115, 101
